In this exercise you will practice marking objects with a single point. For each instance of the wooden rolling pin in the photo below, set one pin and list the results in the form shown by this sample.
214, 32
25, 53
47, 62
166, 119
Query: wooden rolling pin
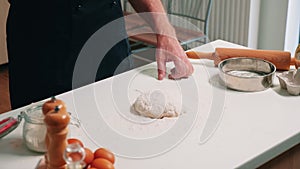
281, 59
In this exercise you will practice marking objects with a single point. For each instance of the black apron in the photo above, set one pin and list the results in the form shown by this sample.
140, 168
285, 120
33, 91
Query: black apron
44, 39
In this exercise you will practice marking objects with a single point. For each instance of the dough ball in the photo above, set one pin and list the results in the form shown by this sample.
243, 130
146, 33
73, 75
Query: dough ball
154, 105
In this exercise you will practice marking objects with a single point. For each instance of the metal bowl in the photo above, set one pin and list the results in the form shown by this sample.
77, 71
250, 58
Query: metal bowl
247, 74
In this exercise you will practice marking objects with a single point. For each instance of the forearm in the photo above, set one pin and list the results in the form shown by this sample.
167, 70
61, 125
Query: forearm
147, 6
156, 18
168, 47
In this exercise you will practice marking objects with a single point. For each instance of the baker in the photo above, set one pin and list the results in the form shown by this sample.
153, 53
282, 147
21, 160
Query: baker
44, 39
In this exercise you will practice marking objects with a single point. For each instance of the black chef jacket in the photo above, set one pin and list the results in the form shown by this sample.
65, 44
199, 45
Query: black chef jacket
44, 38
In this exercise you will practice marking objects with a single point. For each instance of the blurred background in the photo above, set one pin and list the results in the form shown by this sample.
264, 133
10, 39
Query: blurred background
259, 24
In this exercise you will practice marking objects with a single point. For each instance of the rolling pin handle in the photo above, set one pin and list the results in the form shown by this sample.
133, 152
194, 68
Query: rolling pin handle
295, 62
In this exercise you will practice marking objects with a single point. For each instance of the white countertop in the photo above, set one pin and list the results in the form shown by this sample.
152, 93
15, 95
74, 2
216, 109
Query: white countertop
219, 128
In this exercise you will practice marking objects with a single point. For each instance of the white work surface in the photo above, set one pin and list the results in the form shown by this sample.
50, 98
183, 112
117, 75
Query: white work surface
219, 128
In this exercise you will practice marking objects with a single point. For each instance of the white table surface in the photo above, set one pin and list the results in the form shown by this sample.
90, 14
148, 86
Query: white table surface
252, 129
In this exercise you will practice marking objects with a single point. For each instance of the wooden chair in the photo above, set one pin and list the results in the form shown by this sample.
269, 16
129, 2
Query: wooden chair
189, 10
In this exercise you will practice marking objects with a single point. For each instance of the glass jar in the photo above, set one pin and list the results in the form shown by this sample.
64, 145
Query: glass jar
74, 156
34, 128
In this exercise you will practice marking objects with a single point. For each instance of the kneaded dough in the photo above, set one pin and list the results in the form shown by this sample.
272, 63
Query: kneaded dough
154, 105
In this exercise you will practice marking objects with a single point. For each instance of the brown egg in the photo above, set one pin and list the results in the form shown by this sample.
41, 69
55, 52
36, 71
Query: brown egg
76, 156
75, 140
101, 163
89, 156
104, 153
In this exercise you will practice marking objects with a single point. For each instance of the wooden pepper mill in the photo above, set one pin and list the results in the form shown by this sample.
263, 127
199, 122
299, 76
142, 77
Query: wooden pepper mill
56, 120
51, 104
47, 107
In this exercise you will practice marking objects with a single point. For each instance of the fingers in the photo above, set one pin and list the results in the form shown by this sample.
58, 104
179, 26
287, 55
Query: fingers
161, 72
161, 64
182, 69
176, 75
168, 49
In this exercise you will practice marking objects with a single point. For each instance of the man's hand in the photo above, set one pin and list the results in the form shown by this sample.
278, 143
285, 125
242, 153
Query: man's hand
169, 49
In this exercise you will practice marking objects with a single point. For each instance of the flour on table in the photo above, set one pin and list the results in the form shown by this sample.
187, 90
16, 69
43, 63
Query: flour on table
154, 105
